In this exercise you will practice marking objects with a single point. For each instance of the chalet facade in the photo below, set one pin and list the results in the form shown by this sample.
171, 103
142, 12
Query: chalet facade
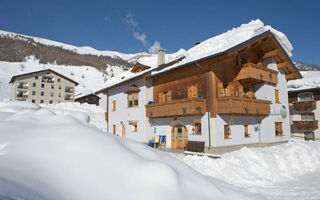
237, 96
45, 86
305, 113
88, 98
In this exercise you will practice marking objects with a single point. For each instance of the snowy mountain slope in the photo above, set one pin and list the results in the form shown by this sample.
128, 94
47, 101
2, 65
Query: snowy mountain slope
301, 66
89, 78
46, 154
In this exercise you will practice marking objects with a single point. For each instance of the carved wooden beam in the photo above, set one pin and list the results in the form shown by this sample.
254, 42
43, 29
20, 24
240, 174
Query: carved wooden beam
291, 76
282, 65
272, 53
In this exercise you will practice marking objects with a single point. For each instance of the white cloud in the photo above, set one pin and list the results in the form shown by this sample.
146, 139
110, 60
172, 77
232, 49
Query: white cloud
155, 47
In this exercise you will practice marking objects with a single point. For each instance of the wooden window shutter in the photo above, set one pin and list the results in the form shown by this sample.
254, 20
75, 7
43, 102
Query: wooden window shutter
169, 95
276, 95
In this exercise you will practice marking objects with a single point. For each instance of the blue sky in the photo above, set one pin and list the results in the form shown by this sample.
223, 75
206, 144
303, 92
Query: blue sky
134, 26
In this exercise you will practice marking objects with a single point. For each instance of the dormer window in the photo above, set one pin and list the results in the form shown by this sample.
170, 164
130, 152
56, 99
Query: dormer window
133, 96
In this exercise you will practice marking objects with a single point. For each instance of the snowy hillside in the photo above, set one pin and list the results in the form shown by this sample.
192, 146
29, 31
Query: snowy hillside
46, 154
311, 79
89, 78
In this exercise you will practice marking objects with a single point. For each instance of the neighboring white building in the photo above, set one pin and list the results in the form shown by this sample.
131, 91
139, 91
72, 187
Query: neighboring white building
233, 95
44, 86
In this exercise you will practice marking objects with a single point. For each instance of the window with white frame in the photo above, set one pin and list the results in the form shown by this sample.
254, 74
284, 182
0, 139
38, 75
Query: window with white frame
306, 96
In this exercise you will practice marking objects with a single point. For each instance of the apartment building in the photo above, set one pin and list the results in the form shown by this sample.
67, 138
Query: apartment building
233, 95
44, 86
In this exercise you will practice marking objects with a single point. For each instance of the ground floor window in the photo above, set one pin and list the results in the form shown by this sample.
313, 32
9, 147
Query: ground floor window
197, 128
134, 126
246, 131
309, 136
278, 128
227, 132
307, 116
113, 129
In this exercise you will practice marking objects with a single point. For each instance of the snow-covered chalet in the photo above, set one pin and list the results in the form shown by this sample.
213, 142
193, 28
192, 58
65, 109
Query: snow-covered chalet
228, 90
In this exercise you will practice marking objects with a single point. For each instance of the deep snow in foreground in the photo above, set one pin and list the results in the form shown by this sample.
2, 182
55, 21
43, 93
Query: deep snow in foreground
46, 153
286, 171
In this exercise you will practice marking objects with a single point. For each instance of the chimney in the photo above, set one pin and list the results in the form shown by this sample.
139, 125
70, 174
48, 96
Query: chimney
196, 43
161, 56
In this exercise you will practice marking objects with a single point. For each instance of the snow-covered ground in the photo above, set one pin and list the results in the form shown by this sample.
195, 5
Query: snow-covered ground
48, 153
61, 152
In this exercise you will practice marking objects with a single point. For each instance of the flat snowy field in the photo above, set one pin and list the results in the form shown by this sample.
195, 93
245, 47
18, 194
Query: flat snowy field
62, 152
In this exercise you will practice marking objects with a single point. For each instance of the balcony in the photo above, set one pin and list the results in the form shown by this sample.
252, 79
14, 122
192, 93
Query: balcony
304, 126
69, 90
48, 79
252, 73
23, 86
243, 106
304, 105
22, 96
177, 108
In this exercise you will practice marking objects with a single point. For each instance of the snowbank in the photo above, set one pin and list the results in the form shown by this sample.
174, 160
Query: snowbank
260, 166
48, 155
311, 79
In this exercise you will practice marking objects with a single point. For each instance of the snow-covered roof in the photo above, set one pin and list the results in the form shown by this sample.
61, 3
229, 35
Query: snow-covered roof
210, 47
230, 39
310, 80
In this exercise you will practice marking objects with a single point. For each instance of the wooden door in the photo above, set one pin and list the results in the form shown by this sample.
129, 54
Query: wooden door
123, 130
178, 138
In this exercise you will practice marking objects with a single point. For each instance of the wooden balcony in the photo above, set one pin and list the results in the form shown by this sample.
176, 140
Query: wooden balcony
243, 106
177, 108
252, 73
304, 126
304, 105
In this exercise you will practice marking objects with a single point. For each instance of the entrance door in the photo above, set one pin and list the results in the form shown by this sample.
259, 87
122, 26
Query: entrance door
178, 137
123, 130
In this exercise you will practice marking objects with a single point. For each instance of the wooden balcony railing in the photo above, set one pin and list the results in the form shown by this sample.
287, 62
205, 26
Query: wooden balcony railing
177, 108
305, 125
304, 105
243, 106
251, 72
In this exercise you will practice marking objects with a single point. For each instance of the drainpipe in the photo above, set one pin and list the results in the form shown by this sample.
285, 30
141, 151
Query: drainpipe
208, 97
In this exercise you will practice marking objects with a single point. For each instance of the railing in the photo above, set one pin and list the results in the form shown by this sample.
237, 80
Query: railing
176, 108
48, 79
22, 86
304, 105
252, 72
69, 90
243, 106
305, 125
68, 97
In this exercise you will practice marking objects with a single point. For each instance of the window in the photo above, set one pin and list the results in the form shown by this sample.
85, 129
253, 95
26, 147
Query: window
134, 126
165, 96
305, 96
133, 99
42, 85
33, 101
114, 105
192, 91
307, 116
58, 79
276, 96
59, 87
246, 131
227, 132
36, 77
51, 94
33, 92
278, 129
41, 101
42, 93
50, 101
309, 136
52, 86
34, 84
197, 128
59, 95
113, 129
